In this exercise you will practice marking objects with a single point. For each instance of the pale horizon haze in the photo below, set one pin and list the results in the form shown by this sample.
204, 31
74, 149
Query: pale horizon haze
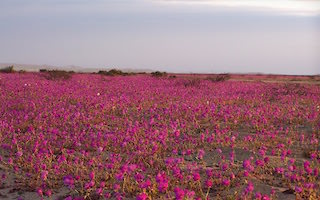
188, 36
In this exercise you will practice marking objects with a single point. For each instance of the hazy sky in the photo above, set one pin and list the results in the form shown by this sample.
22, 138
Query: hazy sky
270, 36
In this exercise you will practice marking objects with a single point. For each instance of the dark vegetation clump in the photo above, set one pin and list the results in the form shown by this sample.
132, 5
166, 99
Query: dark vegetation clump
195, 82
159, 74
8, 69
115, 72
56, 74
219, 77
315, 78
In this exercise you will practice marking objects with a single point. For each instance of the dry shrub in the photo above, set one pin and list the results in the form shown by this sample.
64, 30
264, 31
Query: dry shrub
219, 77
8, 69
57, 75
158, 74
192, 82
115, 72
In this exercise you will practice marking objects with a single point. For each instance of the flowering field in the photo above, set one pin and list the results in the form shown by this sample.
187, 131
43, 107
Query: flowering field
141, 137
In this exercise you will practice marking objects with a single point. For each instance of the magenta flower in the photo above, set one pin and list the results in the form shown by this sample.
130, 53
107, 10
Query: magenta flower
208, 183
40, 192
92, 175
44, 175
68, 181
162, 186
68, 198
201, 154
196, 176
298, 189
179, 193
142, 196
249, 188
19, 154
226, 182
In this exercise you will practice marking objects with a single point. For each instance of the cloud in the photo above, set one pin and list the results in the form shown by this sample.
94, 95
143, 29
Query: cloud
287, 7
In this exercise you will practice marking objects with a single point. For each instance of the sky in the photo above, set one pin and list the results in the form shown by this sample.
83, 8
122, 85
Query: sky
190, 36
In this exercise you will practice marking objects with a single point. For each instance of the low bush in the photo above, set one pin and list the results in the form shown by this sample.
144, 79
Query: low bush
219, 77
8, 69
114, 72
195, 82
159, 74
57, 75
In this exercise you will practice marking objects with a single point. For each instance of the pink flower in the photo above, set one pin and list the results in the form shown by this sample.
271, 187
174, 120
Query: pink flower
245, 173
201, 154
48, 193
142, 196
68, 180
259, 163
100, 149
209, 172
315, 172
162, 182
262, 152
208, 183
313, 156
232, 176
92, 175
19, 154
225, 167
179, 193
258, 195
190, 194
99, 191
102, 184
196, 176
116, 187
10, 161
44, 174
246, 164
226, 182
265, 197
40, 192
145, 184
249, 188
298, 189
163, 185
